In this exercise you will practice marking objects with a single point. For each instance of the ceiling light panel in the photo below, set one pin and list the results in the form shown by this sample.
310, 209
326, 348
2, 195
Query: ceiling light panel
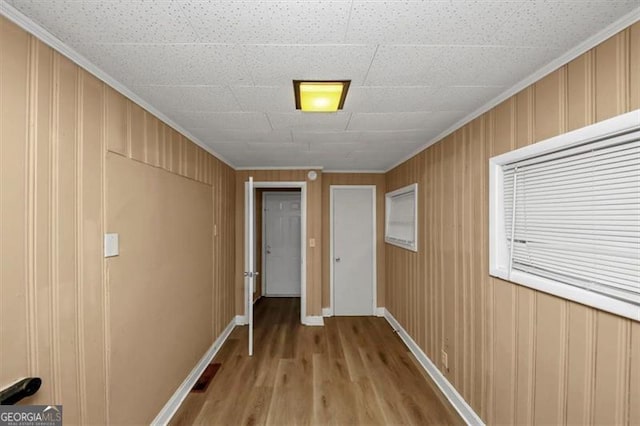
320, 96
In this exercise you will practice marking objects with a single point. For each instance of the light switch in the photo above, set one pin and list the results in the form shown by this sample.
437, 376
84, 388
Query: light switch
215, 230
312, 242
111, 245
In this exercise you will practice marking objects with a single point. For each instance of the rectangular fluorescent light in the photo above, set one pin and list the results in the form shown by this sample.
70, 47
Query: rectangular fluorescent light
320, 96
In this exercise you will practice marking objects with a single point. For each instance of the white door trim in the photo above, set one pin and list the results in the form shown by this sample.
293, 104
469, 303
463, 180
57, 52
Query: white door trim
303, 239
332, 189
264, 243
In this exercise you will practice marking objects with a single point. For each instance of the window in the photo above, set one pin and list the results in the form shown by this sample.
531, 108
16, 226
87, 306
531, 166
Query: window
565, 215
401, 225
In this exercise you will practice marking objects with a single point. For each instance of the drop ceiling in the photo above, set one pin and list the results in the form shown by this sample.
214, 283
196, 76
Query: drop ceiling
223, 70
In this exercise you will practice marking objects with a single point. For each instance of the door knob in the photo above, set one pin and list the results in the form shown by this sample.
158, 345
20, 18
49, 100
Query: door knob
337, 259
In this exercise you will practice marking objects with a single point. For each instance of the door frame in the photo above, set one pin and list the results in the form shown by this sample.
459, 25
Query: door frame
303, 237
332, 189
263, 265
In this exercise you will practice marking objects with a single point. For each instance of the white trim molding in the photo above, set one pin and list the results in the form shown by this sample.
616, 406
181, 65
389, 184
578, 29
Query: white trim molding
327, 312
241, 320
170, 408
313, 320
591, 42
380, 312
453, 396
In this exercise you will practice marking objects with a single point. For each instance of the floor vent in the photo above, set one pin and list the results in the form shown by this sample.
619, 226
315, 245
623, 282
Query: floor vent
203, 381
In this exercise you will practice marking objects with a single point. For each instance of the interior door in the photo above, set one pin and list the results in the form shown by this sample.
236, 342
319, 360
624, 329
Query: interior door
353, 250
249, 273
282, 244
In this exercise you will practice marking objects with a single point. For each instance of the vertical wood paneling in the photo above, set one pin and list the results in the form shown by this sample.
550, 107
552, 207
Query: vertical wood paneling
550, 360
116, 122
634, 376
518, 356
57, 123
580, 86
90, 253
14, 78
581, 355
612, 370
66, 218
151, 145
137, 129
611, 81
42, 218
634, 66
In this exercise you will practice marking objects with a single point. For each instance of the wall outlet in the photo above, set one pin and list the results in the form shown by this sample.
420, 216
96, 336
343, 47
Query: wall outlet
445, 359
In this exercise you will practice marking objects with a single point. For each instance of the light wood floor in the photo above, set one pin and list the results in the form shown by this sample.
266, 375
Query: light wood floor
354, 370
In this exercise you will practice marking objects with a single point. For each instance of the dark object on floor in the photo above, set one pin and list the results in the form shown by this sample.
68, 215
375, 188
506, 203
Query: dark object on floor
203, 381
25, 387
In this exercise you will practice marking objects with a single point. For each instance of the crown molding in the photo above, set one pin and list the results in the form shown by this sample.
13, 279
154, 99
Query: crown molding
282, 168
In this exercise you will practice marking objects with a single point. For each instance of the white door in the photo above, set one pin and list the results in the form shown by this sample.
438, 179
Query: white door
282, 249
353, 228
250, 269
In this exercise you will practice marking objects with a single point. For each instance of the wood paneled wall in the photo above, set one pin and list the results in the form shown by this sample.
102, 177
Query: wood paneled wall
56, 302
314, 212
377, 179
518, 356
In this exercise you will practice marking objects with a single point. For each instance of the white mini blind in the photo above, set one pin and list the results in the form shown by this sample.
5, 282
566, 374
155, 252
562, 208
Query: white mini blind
573, 216
401, 217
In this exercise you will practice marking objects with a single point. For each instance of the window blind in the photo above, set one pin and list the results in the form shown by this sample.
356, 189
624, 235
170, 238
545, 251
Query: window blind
402, 219
573, 216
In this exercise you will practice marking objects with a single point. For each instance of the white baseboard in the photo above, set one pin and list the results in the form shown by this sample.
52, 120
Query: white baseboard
241, 320
380, 312
458, 402
327, 312
316, 320
170, 408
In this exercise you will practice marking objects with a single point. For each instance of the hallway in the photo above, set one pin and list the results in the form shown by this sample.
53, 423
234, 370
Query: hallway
354, 370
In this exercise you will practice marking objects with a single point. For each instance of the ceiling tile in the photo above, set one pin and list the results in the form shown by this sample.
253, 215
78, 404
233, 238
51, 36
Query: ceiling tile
169, 64
212, 136
464, 98
560, 24
309, 121
114, 21
247, 121
278, 65
267, 22
391, 99
263, 98
455, 65
428, 22
404, 120
189, 98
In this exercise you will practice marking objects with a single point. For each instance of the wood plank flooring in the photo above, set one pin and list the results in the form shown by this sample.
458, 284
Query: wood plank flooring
354, 370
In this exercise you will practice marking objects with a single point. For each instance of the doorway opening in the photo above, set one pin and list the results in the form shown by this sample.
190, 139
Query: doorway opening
278, 248
293, 195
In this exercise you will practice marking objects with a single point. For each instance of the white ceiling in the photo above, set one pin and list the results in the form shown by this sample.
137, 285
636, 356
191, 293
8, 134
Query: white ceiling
223, 70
